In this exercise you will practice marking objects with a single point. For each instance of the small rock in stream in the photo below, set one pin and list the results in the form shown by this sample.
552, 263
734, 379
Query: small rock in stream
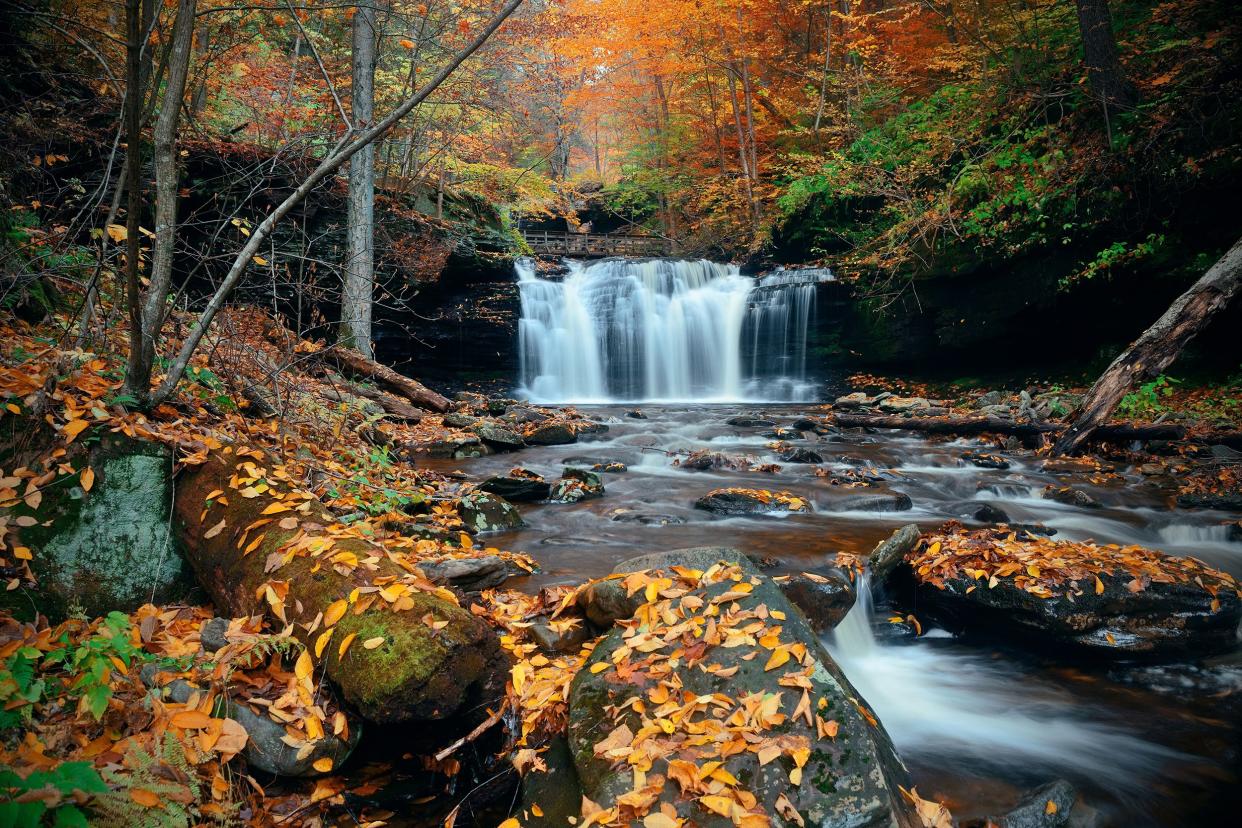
985, 461
1050, 806
747, 421
894, 502
551, 434
519, 486
987, 513
1070, 497
797, 454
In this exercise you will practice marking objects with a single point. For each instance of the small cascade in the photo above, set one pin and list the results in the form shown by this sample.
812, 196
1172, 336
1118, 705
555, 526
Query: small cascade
940, 703
665, 329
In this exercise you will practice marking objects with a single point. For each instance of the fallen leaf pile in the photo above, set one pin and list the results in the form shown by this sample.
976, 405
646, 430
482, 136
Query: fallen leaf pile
1052, 569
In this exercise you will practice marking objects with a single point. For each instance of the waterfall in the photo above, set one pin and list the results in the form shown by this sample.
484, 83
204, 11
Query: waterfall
664, 329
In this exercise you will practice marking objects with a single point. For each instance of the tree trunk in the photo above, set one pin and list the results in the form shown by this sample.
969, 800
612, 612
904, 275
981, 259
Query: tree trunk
133, 169
142, 359
337, 157
1108, 80
355, 363
416, 673
1159, 345
355, 329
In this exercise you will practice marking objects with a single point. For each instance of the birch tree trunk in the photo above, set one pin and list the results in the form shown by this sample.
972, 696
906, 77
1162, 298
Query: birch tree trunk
355, 330
1159, 345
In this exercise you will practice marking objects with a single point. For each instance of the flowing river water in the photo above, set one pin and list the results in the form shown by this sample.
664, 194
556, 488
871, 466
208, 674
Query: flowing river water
977, 720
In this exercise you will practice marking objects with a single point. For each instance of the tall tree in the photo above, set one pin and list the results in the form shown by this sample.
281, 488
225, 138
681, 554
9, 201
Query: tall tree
147, 323
360, 256
1105, 74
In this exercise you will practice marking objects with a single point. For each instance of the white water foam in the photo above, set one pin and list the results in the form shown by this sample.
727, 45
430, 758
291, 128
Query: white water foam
664, 330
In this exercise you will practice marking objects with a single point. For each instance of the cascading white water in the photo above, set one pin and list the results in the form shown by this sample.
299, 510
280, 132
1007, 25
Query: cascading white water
664, 329
941, 703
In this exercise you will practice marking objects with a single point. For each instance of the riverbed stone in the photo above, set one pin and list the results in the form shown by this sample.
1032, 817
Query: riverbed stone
1186, 609
624, 515
857, 399
1070, 497
797, 454
499, 438
749, 421
849, 779
824, 598
111, 548
984, 460
559, 635
751, 502
470, 574
905, 405
485, 512
459, 420
987, 513
521, 487
551, 434
890, 502
459, 447
891, 552
1035, 811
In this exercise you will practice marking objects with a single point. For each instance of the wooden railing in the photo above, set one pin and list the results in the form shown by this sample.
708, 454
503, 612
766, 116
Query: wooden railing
594, 245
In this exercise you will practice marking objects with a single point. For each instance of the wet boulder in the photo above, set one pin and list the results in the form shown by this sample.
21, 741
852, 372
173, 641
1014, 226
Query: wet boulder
485, 512
855, 400
824, 598
645, 518
520, 415
518, 486
984, 460
458, 420
987, 513
499, 438
891, 552
905, 405
559, 635
749, 421
890, 502
1070, 497
551, 434
1111, 600
576, 485
109, 548
805, 749
782, 433
751, 502
459, 447
470, 574
267, 747
797, 454
1049, 806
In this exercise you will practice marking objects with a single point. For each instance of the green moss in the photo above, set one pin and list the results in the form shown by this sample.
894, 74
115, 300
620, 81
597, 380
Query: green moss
409, 656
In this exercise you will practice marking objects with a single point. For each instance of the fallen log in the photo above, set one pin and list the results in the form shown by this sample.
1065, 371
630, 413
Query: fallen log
980, 424
1156, 349
398, 668
391, 403
355, 363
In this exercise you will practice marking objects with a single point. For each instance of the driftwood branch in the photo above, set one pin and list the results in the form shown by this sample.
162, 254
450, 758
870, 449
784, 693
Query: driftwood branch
353, 362
1156, 349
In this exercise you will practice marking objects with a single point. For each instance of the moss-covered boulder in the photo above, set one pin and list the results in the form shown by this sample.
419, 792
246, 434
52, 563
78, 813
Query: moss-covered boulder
399, 650
481, 512
109, 548
716, 702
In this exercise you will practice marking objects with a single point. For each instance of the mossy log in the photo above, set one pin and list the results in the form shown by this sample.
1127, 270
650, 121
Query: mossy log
417, 673
981, 424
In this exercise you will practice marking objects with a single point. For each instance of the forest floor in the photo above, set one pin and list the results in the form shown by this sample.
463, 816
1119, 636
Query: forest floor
80, 730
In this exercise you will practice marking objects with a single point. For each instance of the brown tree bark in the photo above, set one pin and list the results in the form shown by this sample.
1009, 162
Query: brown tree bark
151, 320
355, 363
1156, 349
334, 160
1105, 74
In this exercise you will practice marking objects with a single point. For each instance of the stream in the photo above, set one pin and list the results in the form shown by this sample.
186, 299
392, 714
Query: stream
977, 721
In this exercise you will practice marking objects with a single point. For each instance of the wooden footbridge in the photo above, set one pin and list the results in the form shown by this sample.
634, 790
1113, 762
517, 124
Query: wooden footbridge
596, 245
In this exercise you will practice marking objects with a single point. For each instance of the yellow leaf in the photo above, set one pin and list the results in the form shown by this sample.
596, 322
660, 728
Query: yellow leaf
259, 260
145, 798
372, 643
600, 666
73, 428
22, 553
117, 232
305, 666
1099, 586
722, 805
322, 641
406, 42
87, 479
275, 509
778, 658
536, 810
334, 612
323, 765
349, 639
1050, 808
511, 822
191, 720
